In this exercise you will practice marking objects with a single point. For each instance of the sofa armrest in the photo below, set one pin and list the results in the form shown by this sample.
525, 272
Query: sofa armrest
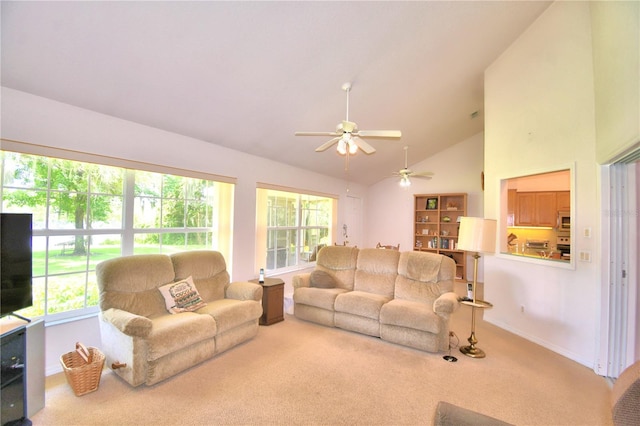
128, 323
301, 280
447, 303
243, 290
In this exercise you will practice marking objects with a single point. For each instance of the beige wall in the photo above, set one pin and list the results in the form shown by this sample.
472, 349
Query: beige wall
616, 63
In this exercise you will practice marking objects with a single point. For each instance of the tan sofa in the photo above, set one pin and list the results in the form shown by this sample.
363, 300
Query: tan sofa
401, 297
139, 331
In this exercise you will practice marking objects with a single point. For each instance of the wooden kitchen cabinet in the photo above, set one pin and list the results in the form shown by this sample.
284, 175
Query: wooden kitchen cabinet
525, 208
436, 226
536, 209
546, 211
563, 201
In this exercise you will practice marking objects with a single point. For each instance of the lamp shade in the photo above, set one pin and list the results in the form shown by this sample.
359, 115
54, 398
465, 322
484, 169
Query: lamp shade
477, 234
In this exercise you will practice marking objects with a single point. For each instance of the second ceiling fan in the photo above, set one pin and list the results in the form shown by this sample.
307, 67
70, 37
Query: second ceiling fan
349, 137
406, 173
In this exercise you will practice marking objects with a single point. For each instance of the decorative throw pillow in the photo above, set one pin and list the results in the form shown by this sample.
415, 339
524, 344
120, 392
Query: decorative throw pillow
322, 279
181, 296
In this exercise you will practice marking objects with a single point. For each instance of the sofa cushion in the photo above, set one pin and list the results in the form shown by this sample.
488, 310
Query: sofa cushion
376, 271
322, 279
361, 303
423, 277
130, 283
340, 261
230, 313
181, 296
208, 269
416, 315
319, 297
172, 333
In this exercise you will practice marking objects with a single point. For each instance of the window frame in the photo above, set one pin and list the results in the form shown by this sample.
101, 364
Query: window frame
262, 227
222, 218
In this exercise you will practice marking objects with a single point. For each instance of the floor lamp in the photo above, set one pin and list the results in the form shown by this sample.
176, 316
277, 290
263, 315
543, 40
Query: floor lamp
476, 235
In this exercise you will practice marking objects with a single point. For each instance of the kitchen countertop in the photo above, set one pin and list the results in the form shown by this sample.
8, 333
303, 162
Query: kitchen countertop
538, 256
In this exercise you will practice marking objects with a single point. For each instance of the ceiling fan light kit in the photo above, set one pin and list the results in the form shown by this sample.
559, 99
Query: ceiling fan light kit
349, 137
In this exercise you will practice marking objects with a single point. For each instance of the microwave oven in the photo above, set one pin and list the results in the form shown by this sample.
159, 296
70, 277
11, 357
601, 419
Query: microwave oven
564, 221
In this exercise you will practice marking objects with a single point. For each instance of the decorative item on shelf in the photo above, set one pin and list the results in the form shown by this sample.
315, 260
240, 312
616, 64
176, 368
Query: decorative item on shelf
446, 219
425, 232
432, 203
476, 235
452, 206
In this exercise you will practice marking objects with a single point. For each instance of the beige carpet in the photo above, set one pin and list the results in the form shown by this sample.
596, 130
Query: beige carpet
296, 372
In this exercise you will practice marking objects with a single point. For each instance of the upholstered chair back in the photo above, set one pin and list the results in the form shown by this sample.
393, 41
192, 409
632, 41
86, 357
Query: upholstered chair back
423, 277
208, 269
376, 272
339, 262
131, 283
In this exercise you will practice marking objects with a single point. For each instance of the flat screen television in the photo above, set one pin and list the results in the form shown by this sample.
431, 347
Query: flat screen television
16, 262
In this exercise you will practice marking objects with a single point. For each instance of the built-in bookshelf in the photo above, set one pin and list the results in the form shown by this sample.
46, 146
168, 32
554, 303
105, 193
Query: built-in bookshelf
436, 226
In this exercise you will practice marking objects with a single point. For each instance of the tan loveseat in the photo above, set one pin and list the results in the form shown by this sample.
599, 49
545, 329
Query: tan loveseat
138, 330
402, 297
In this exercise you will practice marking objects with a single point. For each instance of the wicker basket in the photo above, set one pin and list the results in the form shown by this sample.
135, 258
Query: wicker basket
83, 368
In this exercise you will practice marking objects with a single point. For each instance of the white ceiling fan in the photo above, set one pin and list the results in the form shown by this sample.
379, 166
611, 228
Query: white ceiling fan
349, 137
405, 173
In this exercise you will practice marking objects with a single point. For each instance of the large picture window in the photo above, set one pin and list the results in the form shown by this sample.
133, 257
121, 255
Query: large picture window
85, 213
292, 227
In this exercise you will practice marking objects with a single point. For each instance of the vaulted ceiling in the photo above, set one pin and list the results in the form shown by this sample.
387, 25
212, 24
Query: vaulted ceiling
247, 75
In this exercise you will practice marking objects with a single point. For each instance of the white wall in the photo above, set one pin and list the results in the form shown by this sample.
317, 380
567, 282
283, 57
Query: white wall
37, 120
539, 99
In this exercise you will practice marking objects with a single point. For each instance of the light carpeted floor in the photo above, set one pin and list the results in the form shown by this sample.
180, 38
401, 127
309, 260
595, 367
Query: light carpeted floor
296, 372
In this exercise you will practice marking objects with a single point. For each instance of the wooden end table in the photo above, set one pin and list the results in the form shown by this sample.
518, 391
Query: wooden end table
272, 300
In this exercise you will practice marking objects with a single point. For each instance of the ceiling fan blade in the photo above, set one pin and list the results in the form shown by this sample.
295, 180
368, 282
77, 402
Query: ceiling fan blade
427, 177
318, 134
327, 144
392, 134
425, 174
364, 146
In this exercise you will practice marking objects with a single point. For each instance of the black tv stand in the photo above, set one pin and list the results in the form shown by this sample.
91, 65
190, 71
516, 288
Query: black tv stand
13, 377
13, 314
